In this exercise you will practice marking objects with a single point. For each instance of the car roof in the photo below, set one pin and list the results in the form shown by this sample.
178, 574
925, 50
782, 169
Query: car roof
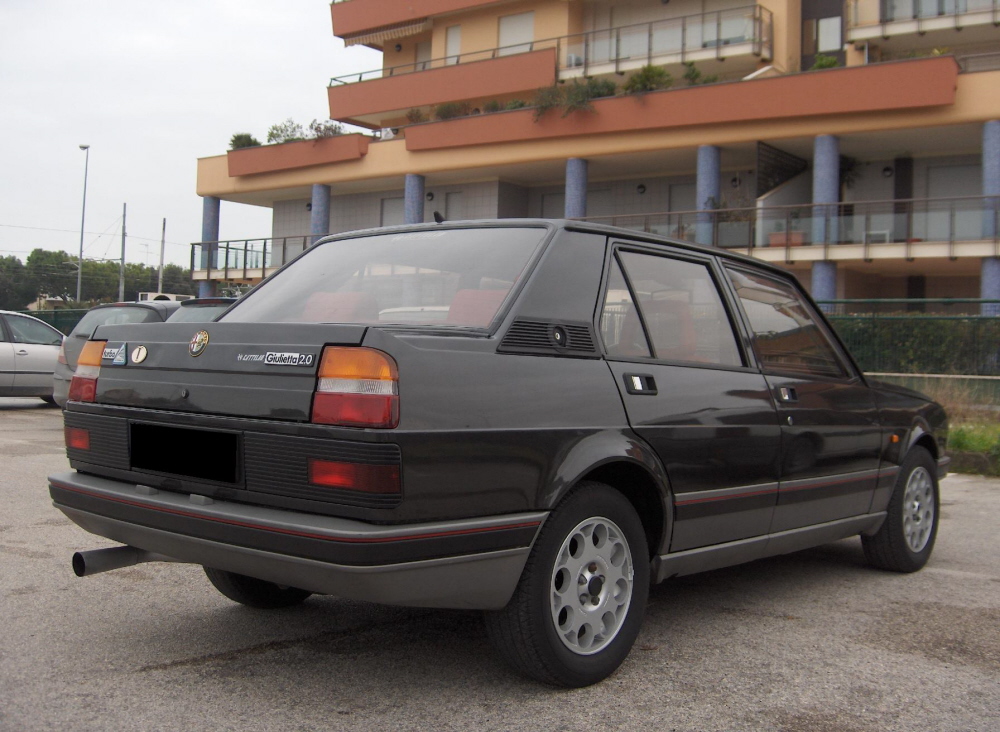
161, 305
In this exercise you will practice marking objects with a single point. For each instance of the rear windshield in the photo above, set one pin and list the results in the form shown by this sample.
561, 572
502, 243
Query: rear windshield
447, 277
114, 316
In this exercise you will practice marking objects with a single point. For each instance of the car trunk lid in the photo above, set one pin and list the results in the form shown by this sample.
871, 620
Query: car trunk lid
257, 370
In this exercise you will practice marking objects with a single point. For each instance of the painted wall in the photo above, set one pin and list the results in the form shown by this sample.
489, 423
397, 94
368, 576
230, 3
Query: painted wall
786, 32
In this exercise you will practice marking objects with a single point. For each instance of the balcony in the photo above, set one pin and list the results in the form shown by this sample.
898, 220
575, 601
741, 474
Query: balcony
244, 259
898, 229
743, 35
927, 22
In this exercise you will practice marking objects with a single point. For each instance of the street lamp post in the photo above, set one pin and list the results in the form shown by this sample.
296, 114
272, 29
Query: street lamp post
83, 218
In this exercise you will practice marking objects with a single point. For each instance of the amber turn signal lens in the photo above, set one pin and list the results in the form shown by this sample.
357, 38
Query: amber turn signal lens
357, 387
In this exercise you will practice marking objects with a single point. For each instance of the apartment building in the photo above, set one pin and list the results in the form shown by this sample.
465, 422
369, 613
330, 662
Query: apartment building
856, 143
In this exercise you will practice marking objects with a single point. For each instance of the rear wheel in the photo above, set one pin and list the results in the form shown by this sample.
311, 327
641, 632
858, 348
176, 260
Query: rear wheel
254, 592
580, 602
49, 400
906, 538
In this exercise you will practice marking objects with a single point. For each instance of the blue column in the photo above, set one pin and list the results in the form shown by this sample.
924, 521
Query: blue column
576, 188
413, 205
990, 273
824, 282
210, 206
826, 188
319, 217
707, 192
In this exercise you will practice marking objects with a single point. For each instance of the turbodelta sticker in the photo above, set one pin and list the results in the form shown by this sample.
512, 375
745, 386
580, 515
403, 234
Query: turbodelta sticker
275, 358
116, 353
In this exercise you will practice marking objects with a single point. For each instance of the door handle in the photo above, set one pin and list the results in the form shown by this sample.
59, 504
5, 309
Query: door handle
22, 353
640, 384
788, 394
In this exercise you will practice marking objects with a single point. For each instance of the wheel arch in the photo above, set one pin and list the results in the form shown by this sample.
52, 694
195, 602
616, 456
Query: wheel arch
624, 462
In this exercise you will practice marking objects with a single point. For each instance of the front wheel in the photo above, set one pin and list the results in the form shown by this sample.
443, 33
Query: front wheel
580, 601
254, 592
906, 538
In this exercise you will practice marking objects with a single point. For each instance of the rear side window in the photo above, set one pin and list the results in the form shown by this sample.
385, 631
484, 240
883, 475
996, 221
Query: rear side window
787, 335
446, 277
114, 316
680, 315
27, 330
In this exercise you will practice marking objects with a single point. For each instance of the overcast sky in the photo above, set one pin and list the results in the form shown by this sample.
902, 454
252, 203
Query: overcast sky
151, 87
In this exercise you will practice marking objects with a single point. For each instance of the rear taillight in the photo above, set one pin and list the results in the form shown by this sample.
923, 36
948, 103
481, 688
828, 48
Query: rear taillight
354, 476
83, 387
357, 387
61, 358
77, 438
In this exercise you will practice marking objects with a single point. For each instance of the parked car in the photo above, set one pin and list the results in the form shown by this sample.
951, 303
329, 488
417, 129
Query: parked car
28, 351
201, 310
153, 311
598, 409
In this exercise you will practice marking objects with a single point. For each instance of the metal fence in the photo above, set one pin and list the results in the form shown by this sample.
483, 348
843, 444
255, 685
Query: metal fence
885, 337
63, 320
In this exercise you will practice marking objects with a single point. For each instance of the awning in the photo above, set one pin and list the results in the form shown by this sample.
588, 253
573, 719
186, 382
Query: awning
387, 33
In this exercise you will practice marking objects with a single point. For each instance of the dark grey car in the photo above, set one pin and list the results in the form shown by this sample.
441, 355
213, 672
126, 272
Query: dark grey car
532, 418
153, 311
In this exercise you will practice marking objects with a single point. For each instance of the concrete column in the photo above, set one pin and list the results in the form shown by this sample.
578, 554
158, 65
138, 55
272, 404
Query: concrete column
826, 188
413, 205
708, 191
210, 207
824, 282
989, 285
319, 216
576, 188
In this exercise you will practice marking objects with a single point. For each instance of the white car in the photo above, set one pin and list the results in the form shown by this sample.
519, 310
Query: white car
28, 352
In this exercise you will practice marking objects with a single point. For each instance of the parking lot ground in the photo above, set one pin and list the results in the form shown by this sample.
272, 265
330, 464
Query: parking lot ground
814, 641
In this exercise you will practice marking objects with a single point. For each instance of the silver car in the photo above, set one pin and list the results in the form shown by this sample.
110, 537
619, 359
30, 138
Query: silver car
28, 352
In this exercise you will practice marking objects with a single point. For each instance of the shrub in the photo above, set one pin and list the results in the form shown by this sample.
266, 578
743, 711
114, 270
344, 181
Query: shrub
516, 104
492, 106
648, 78
823, 61
243, 139
451, 110
694, 77
546, 99
415, 116
287, 131
318, 130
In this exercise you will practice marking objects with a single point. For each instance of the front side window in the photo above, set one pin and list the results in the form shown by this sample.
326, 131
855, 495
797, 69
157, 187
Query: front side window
787, 334
447, 277
680, 315
26, 330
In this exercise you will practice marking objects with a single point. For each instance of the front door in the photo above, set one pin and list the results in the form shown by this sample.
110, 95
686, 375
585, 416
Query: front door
830, 433
690, 393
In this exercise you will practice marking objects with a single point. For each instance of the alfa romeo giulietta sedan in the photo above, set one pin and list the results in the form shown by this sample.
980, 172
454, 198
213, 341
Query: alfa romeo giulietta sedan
537, 419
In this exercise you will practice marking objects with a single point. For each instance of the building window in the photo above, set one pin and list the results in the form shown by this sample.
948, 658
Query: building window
452, 44
516, 33
822, 35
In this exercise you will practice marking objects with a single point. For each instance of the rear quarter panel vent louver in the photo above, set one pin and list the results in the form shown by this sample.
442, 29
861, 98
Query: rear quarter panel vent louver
550, 339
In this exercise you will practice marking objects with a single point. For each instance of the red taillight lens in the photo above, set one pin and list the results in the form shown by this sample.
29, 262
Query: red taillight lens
83, 387
77, 438
357, 387
354, 476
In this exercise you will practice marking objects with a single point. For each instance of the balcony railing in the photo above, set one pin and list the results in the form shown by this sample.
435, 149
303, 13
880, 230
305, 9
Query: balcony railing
908, 222
245, 258
663, 41
880, 12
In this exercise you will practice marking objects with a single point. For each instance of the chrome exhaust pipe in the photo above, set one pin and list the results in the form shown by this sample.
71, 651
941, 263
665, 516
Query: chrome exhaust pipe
104, 560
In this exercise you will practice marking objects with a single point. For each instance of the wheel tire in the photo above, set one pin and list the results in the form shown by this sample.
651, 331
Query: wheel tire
49, 400
579, 604
906, 538
254, 592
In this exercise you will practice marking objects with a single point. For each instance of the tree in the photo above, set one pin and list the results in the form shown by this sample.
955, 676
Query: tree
52, 274
287, 131
243, 139
15, 290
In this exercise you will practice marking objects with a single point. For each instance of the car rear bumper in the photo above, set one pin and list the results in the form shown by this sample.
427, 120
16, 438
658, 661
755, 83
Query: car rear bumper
470, 563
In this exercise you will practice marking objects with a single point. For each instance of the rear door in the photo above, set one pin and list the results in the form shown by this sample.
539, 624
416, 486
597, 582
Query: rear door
6, 359
829, 421
691, 392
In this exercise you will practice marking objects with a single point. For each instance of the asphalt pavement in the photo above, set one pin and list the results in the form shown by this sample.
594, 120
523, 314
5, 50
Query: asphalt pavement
814, 641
